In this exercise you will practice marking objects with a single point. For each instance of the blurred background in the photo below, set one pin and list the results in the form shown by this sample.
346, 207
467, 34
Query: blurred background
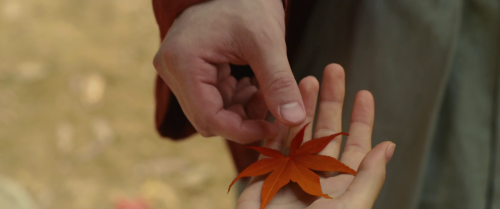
76, 113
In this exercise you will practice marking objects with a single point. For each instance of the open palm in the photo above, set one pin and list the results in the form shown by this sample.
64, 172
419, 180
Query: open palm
348, 191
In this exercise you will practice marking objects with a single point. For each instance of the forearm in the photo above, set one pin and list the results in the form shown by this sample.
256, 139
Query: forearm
167, 10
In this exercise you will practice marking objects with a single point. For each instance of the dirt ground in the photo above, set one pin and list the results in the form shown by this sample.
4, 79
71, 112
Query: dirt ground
76, 111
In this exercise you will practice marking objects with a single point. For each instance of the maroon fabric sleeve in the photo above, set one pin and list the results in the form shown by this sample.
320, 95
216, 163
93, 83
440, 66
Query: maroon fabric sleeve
169, 117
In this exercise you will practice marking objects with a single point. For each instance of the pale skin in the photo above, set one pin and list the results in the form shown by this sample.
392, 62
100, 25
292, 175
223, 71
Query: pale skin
194, 61
347, 191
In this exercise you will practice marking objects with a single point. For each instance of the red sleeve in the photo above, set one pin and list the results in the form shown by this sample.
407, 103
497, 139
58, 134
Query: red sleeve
169, 117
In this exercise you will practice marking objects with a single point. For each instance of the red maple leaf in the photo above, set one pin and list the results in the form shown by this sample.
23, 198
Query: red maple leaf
297, 167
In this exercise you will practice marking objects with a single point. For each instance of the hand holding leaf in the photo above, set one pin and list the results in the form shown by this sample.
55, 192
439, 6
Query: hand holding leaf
347, 191
295, 167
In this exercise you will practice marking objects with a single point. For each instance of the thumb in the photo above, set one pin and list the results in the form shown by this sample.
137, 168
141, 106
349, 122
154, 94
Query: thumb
278, 84
366, 186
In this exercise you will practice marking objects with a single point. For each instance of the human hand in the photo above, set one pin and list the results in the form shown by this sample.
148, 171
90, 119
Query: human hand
347, 191
194, 60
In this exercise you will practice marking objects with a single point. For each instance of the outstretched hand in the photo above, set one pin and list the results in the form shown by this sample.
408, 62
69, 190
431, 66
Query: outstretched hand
348, 191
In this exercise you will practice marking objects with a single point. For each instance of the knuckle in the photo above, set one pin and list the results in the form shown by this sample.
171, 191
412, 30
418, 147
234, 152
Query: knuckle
267, 38
263, 37
280, 82
169, 57
257, 36
203, 127
169, 50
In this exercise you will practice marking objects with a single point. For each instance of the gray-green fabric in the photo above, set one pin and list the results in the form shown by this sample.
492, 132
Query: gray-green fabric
460, 170
434, 69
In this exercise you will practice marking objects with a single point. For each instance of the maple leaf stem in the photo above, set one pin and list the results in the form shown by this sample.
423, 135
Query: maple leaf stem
286, 142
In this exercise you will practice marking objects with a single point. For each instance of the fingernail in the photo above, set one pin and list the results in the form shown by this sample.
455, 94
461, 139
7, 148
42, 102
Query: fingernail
293, 112
390, 152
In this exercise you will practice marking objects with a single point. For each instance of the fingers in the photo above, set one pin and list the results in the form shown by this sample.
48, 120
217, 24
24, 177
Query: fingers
244, 82
359, 141
256, 107
244, 91
203, 104
242, 96
226, 87
231, 90
223, 71
309, 88
331, 99
366, 186
231, 126
282, 95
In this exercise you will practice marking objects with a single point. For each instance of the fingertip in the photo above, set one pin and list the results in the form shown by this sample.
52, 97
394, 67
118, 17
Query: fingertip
365, 96
223, 71
334, 68
309, 84
244, 82
230, 125
309, 88
281, 91
292, 114
256, 107
380, 153
278, 141
243, 95
364, 108
256, 130
230, 81
390, 152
